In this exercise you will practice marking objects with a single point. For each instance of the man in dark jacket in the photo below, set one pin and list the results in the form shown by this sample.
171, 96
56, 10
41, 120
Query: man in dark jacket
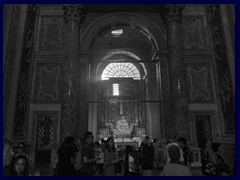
147, 157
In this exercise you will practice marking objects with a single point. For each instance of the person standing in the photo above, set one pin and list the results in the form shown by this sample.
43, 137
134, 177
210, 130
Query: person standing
7, 156
175, 167
129, 164
19, 166
88, 155
182, 143
66, 156
99, 163
109, 157
147, 156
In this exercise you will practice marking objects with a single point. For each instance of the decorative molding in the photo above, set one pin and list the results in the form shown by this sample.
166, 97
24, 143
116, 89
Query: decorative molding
48, 83
193, 34
74, 13
222, 66
20, 124
198, 83
171, 12
52, 33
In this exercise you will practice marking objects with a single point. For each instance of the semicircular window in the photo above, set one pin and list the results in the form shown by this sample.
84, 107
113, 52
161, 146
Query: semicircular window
121, 70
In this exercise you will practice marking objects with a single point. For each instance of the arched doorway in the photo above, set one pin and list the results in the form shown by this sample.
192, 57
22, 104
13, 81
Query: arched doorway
138, 104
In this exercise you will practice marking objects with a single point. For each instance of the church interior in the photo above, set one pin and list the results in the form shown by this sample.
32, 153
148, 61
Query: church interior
125, 71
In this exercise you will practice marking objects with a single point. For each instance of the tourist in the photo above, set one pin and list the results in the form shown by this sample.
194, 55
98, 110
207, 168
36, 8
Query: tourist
99, 163
66, 156
7, 156
175, 167
88, 155
129, 164
147, 157
109, 157
19, 166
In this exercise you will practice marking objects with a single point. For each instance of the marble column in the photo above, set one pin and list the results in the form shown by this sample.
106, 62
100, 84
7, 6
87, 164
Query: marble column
177, 73
74, 16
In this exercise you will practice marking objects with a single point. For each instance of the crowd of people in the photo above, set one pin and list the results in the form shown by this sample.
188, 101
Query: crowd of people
84, 157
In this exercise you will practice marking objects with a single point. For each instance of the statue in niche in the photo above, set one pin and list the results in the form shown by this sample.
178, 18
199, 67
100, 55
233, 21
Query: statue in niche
123, 126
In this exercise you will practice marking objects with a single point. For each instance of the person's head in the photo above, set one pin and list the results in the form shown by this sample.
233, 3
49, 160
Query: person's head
97, 144
68, 140
128, 149
19, 165
110, 144
21, 148
146, 140
174, 153
182, 142
216, 147
6, 152
79, 143
88, 137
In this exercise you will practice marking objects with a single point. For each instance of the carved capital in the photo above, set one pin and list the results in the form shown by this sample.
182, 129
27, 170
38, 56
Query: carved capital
171, 12
74, 13
211, 13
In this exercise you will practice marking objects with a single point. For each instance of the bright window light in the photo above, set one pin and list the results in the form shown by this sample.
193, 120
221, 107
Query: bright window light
117, 32
115, 89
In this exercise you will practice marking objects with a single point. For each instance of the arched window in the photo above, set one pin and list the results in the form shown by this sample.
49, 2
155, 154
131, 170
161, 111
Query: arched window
121, 70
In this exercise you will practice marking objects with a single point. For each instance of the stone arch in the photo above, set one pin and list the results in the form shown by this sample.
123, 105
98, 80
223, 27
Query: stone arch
139, 22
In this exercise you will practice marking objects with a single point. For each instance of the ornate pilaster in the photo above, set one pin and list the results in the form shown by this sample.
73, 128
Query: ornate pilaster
74, 15
225, 87
24, 77
171, 15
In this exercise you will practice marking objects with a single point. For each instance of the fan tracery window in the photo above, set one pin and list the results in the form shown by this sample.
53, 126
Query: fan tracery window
121, 70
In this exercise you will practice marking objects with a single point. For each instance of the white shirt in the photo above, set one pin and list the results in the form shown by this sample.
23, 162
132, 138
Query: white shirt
181, 159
